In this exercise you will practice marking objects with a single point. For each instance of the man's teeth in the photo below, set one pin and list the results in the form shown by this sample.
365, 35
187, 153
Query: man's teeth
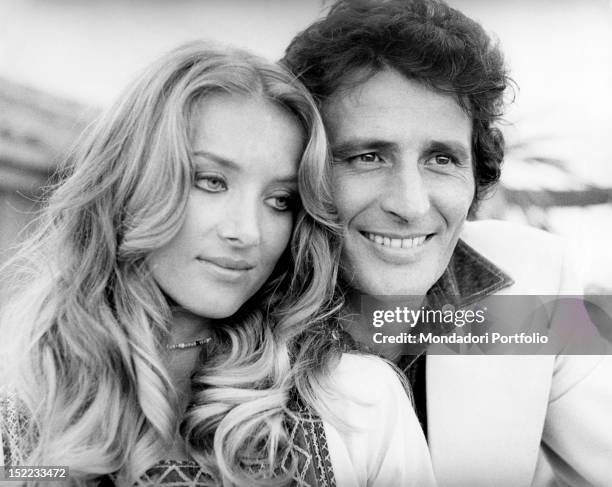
396, 243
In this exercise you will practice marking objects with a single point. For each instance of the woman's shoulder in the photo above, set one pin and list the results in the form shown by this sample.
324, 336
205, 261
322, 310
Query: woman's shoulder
362, 392
363, 377
373, 433
361, 363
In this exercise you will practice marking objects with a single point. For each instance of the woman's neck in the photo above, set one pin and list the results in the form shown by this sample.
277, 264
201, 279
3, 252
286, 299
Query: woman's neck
186, 327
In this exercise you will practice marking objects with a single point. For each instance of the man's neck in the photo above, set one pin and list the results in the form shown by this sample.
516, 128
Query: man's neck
361, 328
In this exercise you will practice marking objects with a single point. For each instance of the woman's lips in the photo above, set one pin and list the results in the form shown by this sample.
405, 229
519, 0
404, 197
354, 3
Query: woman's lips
229, 263
227, 269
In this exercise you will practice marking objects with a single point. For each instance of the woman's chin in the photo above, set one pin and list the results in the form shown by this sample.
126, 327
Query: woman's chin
217, 312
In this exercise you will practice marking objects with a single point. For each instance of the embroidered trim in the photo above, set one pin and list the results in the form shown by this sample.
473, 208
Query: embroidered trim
13, 428
313, 431
175, 474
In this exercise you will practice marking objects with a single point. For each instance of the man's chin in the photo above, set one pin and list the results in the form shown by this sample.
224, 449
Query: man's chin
377, 278
390, 287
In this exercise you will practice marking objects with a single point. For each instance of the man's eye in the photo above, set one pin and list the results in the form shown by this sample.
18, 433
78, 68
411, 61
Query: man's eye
368, 157
211, 183
444, 160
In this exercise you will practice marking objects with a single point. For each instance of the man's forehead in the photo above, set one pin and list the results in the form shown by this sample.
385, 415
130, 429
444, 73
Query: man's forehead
385, 102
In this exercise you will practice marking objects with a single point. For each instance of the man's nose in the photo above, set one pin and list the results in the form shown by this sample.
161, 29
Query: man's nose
240, 225
407, 194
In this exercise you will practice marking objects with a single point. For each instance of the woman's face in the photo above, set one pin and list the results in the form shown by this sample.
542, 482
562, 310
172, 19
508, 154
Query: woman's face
239, 219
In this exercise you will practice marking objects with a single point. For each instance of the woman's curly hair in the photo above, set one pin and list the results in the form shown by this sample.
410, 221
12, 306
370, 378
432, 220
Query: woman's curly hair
85, 335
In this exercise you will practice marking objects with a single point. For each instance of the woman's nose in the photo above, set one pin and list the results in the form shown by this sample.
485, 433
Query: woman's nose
240, 225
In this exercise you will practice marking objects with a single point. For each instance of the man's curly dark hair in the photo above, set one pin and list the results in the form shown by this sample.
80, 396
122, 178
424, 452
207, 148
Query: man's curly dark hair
426, 41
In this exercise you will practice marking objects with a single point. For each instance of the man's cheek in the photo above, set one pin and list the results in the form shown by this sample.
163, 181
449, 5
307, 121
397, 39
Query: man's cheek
345, 203
351, 197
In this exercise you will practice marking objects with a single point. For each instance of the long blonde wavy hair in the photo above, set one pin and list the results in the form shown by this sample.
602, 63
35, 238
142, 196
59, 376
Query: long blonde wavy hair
88, 326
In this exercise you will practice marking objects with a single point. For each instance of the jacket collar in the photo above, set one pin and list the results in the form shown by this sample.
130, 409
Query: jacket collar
468, 278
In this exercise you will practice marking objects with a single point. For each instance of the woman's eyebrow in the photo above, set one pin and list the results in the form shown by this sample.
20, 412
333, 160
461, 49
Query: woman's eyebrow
222, 161
292, 179
217, 158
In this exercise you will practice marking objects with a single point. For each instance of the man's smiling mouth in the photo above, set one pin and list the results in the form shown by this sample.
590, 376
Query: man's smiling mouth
397, 243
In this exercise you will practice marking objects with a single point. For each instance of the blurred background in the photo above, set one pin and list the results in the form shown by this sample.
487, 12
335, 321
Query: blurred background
62, 61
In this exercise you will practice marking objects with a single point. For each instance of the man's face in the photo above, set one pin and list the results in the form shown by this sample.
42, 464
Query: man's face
403, 181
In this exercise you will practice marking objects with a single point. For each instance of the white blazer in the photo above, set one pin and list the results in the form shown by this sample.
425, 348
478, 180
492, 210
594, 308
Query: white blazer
510, 421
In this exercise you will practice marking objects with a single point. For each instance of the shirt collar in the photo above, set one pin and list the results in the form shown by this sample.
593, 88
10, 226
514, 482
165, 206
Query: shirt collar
468, 278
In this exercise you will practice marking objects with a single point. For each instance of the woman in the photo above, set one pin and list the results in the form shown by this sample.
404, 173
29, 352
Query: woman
173, 322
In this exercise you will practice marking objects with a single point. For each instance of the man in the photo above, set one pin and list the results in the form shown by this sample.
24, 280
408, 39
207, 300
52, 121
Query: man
410, 91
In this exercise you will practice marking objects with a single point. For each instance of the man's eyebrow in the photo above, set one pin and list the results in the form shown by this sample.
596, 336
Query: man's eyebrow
216, 158
347, 147
457, 148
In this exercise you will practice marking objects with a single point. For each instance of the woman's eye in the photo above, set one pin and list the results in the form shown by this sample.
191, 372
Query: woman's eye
282, 202
211, 183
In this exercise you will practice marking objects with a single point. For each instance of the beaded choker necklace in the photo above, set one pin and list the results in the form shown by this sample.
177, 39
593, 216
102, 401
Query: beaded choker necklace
196, 343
